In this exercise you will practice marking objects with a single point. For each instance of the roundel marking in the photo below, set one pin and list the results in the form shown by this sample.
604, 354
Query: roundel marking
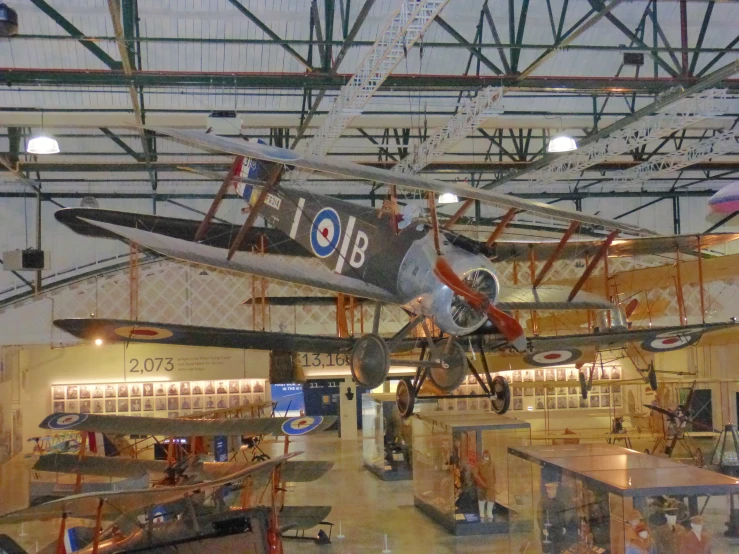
301, 425
143, 333
325, 232
65, 421
666, 342
553, 357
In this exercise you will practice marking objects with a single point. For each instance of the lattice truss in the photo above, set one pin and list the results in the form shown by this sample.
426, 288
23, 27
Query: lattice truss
183, 293
683, 113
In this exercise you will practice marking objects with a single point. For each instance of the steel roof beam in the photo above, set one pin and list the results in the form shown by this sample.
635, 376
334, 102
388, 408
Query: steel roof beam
73, 31
473, 49
116, 139
270, 33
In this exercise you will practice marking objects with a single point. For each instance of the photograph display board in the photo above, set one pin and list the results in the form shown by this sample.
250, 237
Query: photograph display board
173, 398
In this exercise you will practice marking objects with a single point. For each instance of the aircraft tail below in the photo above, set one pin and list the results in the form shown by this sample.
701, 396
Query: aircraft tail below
250, 169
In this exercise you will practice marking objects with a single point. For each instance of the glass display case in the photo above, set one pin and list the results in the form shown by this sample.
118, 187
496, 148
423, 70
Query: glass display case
460, 469
601, 498
386, 438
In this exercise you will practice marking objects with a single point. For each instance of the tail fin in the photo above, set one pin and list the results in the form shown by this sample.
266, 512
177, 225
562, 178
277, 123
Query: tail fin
251, 170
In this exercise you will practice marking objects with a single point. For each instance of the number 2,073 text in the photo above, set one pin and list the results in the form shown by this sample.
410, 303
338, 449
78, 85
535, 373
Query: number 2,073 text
149, 365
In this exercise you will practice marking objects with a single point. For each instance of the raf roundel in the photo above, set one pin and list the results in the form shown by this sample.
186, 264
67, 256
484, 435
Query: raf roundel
66, 421
325, 233
667, 342
301, 425
553, 357
137, 332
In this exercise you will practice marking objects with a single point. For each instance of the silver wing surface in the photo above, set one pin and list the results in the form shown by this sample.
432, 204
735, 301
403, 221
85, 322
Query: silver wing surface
284, 268
180, 427
548, 297
356, 171
117, 503
302, 517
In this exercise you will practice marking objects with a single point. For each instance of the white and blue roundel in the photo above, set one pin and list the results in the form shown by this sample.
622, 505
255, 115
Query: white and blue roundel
325, 233
301, 425
65, 421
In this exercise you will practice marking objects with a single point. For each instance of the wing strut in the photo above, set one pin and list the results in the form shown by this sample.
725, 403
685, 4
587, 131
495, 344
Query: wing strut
272, 181
507, 218
235, 167
591, 266
459, 213
557, 251
434, 221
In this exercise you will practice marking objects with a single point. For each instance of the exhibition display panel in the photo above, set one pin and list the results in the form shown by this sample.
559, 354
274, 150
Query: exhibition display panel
601, 498
460, 469
386, 438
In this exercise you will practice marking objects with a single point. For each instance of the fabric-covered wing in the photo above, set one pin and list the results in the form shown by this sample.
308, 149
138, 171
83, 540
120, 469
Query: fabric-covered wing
122, 330
506, 251
98, 465
302, 517
117, 503
579, 349
548, 297
219, 235
349, 169
179, 427
284, 268
296, 471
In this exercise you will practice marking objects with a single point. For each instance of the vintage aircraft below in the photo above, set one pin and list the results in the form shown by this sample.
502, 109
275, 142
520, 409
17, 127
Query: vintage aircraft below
726, 200
194, 518
433, 272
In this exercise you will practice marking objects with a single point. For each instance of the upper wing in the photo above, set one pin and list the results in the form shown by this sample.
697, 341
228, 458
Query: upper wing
296, 471
348, 169
116, 503
505, 251
284, 268
548, 297
83, 221
178, 427
121, 330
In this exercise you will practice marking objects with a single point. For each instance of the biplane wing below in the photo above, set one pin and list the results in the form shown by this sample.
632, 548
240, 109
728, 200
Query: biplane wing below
180, 427
117, 503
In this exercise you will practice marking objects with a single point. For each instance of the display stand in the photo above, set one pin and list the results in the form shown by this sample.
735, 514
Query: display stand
386, 438
598, 498
460, 469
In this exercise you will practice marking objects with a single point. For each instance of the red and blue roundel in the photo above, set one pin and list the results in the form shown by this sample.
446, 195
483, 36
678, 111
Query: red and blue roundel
65, 421
666, 342
325, 233
301, 425
553, 357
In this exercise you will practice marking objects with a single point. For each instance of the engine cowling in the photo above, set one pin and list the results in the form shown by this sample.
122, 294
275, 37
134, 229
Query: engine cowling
425, 294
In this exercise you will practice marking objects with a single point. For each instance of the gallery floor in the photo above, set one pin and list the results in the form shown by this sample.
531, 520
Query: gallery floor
366, 507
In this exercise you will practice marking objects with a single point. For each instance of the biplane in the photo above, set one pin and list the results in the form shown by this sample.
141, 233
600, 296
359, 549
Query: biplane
187, 518
437, 275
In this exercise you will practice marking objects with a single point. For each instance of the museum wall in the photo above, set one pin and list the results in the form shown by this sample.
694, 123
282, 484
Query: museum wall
42, 367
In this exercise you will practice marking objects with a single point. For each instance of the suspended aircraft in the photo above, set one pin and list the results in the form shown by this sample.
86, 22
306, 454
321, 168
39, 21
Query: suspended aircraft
434, 273
726, 200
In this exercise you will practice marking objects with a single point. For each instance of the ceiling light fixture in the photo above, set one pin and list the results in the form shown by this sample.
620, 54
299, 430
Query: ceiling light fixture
448, 198
561, 143
98, 342
42, 143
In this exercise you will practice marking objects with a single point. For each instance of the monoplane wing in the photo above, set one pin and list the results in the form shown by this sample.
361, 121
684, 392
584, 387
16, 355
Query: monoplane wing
352, 170
179, 427
121, 330
583, 348
83, 221
117, 503
98, 465
304, 271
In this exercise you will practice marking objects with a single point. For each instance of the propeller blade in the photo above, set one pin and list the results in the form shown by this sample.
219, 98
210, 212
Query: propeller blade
630, 307
507, 325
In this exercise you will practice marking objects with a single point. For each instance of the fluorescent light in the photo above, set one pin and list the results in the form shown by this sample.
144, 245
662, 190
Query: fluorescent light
562, 143
448, 198
42, 144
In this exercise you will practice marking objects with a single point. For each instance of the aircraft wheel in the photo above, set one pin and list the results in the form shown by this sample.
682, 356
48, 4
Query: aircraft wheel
583, 386
370, 361
448, 378
502, 401
404, 398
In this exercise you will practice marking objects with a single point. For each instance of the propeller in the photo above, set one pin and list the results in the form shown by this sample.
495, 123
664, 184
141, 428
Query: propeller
507, 325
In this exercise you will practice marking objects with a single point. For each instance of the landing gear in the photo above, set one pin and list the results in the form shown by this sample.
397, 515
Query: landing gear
370, 361
404, 398
453, 369
501, 400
